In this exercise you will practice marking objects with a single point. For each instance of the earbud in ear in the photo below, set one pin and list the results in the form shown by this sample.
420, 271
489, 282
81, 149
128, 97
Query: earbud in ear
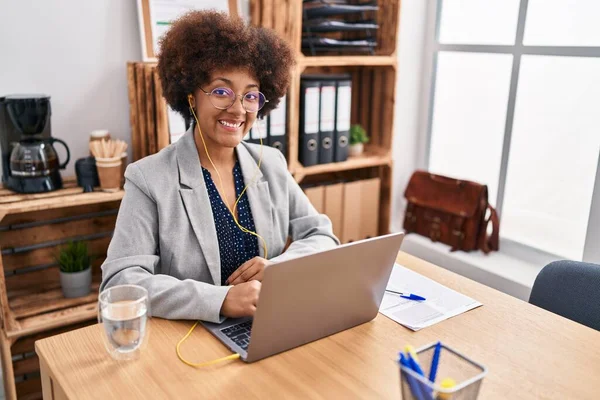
191, 100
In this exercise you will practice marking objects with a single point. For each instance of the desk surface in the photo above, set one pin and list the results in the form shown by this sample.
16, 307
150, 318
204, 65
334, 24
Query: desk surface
529, 352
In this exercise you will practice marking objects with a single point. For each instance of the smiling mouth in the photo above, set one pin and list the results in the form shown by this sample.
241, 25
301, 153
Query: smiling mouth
233, 125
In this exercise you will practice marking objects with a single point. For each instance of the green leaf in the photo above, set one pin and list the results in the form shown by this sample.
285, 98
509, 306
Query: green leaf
358, 135
73, 257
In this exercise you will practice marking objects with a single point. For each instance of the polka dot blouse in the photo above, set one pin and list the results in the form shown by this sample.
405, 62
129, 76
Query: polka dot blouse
235, 246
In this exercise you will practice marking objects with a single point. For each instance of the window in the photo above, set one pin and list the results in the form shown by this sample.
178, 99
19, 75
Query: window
514, 104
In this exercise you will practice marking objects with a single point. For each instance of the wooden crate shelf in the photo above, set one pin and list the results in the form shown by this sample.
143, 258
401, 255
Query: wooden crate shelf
346, 61
69, 196
27, 365
33, 304
373, 95
33, 228
30, 389
285, 17
373, 156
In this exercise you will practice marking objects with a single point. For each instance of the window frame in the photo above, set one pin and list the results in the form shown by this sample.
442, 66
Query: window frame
433, 46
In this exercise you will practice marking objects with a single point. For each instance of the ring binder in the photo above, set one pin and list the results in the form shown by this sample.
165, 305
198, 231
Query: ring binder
309, 122
277, 127
342, 118
327, 121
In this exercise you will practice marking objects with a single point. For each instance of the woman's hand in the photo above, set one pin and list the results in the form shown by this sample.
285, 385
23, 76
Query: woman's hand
253, 269
241, 300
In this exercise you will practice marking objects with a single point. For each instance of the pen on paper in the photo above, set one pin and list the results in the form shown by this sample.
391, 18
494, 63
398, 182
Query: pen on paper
409, 296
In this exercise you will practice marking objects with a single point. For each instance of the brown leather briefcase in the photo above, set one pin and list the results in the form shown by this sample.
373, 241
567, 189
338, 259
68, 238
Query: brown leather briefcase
451, 211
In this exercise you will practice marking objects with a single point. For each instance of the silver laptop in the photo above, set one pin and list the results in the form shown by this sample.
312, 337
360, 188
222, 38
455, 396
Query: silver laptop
314, 296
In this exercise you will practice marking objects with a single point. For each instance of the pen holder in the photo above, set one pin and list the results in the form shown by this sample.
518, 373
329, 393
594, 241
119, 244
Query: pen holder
466, 374
109, 172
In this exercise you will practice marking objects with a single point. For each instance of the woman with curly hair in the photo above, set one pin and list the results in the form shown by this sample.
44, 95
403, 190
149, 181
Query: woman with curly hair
187, 230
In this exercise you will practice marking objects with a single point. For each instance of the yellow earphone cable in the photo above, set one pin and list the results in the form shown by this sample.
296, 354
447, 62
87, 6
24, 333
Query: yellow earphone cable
202, 364
243, 229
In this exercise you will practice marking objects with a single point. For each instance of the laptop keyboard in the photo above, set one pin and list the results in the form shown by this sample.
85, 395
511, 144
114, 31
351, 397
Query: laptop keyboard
239, 334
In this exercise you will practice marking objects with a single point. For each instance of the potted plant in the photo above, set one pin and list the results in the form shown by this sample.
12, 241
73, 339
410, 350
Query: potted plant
358, 136
75, 269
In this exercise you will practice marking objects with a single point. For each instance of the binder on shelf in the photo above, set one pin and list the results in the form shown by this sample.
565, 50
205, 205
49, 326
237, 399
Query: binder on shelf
277, 127
259, 130
309, 122
327, 121
343, 110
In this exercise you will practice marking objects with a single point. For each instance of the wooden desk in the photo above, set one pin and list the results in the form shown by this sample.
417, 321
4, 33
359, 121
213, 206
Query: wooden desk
530, 353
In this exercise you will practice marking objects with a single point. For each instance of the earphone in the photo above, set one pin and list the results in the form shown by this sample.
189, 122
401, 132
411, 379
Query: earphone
190, 98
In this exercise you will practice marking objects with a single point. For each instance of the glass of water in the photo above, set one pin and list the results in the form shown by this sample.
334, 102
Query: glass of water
124, 312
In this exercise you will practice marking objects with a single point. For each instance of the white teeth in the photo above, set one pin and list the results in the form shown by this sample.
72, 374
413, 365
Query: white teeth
230, 125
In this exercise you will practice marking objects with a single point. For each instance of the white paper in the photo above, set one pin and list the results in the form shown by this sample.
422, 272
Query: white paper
344, 107
327, 108
442, 303
277, 119
311, 110
163, 12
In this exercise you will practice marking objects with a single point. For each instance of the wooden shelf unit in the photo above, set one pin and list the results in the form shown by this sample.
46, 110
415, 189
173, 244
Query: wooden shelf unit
32, 306
341, 61
372, 157
373, 94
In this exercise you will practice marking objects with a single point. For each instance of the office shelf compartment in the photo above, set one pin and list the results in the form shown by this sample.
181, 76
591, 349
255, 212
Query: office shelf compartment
373, 98
285, 17
373, 92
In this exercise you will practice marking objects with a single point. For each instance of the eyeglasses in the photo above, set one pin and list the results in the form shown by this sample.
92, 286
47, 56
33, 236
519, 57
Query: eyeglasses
223, 98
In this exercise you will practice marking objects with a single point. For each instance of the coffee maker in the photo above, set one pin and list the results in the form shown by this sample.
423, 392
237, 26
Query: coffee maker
29, 161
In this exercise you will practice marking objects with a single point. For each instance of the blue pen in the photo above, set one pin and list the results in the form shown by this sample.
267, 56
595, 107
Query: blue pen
409, 296
414, 365
414, 385
435, 361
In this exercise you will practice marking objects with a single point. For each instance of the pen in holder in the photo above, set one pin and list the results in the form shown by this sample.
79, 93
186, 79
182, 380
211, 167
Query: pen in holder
455, 376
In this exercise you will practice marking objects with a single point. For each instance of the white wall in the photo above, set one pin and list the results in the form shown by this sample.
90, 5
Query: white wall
411, 45
75, 51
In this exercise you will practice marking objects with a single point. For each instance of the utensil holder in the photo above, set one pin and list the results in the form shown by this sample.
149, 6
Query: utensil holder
466, 373
109, 172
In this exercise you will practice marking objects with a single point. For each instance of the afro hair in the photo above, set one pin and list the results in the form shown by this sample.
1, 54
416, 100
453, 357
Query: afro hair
200, 42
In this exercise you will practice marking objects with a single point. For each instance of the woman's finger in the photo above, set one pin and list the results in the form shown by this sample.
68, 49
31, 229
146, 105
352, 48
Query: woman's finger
236, 276
247, 273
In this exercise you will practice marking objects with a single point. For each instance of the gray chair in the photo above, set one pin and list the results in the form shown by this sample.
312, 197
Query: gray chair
570, 289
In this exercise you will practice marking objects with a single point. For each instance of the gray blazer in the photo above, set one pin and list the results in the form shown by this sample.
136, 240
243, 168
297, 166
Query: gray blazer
165, 238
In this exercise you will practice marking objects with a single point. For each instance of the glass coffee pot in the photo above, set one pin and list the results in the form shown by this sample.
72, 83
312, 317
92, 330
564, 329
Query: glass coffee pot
36, 158
30, 162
